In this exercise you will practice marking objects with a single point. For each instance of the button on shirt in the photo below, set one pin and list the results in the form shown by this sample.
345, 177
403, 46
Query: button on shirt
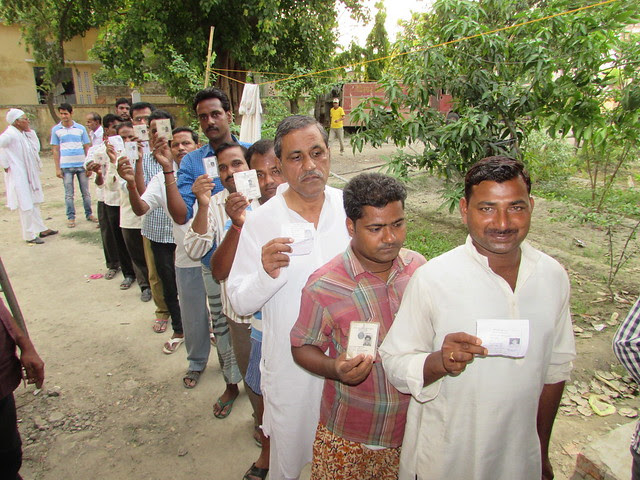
156, 225
372, 412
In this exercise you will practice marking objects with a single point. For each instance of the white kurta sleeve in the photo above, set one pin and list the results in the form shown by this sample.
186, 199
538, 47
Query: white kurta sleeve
198, 244
410, 341
564, 348
112, 179
249, 287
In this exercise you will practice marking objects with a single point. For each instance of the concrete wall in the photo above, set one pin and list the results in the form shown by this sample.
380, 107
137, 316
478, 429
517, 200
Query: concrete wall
42, 122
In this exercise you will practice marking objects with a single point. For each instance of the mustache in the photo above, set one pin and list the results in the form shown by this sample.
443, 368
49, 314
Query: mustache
312, 173
495, 231
211, 128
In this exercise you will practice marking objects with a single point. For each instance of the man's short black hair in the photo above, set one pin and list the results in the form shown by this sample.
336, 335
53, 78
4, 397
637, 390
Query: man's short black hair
95, 116
109, 119
227, 145
158, 114
371, 189
212, 92
261, 147
296, 122
65, 106
141, 105
121, 125
122, 100
498, 168
194, 135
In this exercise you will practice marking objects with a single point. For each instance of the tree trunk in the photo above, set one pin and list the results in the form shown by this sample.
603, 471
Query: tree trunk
293, 105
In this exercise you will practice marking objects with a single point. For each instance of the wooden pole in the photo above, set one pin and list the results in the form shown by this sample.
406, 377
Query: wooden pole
12, 301
206, 75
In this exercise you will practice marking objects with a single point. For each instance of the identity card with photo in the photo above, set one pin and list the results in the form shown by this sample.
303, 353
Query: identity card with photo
164, 128
302, 234
363, 338
210, 166
504, 338
142, 132
247, 184
131, 150
118, 144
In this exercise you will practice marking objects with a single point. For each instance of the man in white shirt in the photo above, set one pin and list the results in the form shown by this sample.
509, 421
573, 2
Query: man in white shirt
281, 244
476, 413
94, 128
20, 159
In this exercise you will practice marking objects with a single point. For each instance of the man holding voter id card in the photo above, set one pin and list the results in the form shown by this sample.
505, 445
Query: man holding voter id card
347, 308
483, 342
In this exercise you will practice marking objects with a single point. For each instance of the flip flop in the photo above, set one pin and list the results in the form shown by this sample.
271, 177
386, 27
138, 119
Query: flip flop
255, 472
160, 325
222, 406
171, 345
193, 375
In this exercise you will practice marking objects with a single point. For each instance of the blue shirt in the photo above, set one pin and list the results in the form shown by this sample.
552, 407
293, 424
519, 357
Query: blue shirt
191, 167
71, 141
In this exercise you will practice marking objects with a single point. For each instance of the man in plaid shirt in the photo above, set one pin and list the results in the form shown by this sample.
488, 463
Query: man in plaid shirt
626, 346
362, 416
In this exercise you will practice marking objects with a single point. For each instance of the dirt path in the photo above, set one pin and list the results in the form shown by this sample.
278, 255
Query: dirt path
113, 406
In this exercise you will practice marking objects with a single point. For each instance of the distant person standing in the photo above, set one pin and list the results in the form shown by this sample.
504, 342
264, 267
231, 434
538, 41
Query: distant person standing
94, 129
123, 109
19, 156
337, 124
70, 143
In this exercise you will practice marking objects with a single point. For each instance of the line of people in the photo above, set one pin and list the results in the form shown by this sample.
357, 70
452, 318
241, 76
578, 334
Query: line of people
287, 278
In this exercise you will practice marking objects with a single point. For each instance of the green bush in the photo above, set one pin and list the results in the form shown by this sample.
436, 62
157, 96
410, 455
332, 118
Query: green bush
275, 109
548, 159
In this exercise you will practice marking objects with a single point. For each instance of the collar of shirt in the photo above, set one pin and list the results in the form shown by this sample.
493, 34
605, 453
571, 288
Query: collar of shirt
355, 269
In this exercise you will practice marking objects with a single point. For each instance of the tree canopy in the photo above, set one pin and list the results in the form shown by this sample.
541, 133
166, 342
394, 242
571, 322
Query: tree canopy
504, 83
168, 41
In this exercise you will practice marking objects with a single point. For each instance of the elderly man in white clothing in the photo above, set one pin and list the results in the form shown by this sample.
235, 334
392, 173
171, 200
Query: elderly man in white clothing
281, 244
19, 156
481, 409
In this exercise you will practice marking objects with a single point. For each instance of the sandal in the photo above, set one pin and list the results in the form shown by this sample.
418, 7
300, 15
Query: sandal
222, 413
126, 283
255, 472
194, 376
171, 345
160, 325
111, 273
71, 223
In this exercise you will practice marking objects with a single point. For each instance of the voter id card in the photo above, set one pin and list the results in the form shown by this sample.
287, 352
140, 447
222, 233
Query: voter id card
247, 184
363, 338
131, 150
210, 166
142, 132
302, 235
117, 143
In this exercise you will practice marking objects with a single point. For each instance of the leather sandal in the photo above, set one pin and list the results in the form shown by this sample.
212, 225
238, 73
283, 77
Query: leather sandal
255, 472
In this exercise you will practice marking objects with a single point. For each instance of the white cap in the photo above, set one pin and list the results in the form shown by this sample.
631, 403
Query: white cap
13, 115
335, 100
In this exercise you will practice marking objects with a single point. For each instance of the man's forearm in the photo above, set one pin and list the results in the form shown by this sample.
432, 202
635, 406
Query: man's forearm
222, 258
547, 409
175, 202
56, 155
138, 205
200, 223
139, 176
311, 358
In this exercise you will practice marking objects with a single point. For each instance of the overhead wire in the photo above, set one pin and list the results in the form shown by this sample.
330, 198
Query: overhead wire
442, 44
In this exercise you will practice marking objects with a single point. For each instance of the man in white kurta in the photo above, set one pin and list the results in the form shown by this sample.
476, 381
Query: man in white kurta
19, 157
480, 422
261, 279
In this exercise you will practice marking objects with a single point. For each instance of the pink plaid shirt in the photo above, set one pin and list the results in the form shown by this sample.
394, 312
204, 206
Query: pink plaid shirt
338, 293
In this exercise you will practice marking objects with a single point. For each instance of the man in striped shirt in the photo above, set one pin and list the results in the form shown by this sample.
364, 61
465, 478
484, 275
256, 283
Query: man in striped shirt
362, 416
626, 346
70, 143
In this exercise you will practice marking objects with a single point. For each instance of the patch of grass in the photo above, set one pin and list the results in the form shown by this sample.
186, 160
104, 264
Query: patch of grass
85, 236
422, 239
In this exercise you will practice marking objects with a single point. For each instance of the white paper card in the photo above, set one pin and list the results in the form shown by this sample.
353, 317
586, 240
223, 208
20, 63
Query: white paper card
142, 132
302, 234
131, 149
506, 338
247, 184
163, 126
363, 338
118, 144
101, 157
210, 166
